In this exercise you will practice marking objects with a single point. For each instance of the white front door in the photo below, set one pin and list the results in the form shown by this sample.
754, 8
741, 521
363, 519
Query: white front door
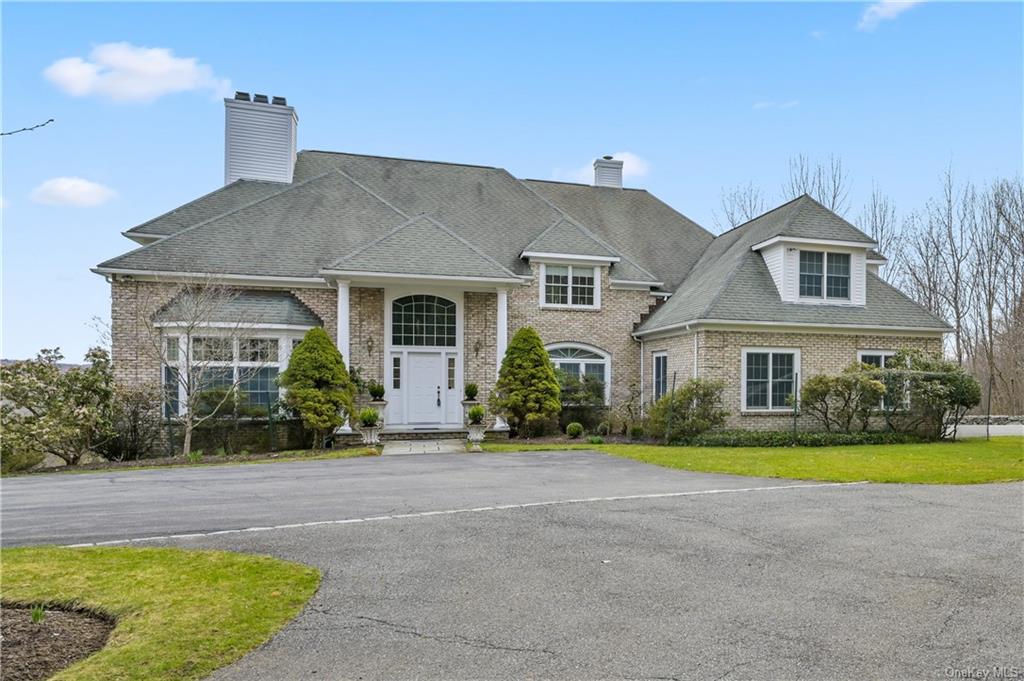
426, 381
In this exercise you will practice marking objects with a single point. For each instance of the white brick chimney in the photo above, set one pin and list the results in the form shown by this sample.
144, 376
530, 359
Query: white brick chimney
259, 138
607, 172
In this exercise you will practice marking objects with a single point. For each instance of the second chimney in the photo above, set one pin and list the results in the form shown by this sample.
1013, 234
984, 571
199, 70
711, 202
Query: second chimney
607, 172
259, 138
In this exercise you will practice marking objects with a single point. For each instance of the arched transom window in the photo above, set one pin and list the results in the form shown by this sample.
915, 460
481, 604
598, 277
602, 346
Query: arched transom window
580, 360
423, 320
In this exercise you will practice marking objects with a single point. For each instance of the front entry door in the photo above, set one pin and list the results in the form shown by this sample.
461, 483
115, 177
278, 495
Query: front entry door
426, 389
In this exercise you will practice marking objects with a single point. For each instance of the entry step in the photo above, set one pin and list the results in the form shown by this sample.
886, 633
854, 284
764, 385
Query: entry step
424, 447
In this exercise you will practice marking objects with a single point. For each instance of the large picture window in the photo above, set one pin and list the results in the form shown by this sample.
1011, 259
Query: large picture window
569, 286
769, 378
824, 275
423, 320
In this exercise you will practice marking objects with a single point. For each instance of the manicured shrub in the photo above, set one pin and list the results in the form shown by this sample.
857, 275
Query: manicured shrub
753, 438
470, 391
475, 415
527, 392
318, 385
845, 402
636, 432
574, 430
596, 440
691, 409
136, 423
369, 417
376, 390
604, 428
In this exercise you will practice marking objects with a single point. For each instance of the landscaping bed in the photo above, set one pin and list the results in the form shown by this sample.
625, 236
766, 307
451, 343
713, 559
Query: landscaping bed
179, 614
208, 460
32, 651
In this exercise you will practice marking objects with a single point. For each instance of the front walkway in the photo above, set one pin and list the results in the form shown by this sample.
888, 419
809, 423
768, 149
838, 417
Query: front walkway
424, 447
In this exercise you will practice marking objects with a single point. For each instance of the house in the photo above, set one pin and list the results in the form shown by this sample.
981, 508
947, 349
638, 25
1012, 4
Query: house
421, 270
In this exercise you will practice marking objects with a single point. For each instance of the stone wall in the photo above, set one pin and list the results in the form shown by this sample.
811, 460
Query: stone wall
324, 304
480, 342
610, 328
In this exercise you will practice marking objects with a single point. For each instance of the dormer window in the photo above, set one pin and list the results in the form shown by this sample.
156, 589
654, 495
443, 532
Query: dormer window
825, 275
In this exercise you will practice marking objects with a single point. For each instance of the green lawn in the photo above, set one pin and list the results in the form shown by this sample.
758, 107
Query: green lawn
958, 463
180, 614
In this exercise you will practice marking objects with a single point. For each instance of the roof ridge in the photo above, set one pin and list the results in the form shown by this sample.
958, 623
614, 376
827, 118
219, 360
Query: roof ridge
370, 244
577, 223
371, 192
470, 245
582, 184
583, 230
726, 282
848, 223
189, 229
195, 200
399, 158
772, 210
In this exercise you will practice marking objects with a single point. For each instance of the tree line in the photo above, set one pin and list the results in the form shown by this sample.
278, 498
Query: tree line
960, 255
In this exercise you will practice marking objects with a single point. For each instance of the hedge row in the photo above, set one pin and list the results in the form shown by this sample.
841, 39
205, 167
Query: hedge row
749, 438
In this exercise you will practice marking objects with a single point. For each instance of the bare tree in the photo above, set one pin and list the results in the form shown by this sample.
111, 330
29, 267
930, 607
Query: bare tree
878, 218
740, 204
203, 349
952, 218
826, 182
986, 272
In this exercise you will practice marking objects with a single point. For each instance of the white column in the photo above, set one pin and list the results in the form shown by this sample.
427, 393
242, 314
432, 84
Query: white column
344, 335
502, 331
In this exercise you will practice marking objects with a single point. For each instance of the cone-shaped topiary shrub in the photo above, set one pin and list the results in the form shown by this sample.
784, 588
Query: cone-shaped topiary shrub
318, 385
527, 392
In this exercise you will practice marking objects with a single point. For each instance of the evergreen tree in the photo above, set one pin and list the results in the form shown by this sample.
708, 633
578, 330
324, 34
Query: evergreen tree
527, 391
318, 385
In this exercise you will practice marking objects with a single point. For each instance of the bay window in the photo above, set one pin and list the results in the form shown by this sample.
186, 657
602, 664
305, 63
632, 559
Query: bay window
769, 378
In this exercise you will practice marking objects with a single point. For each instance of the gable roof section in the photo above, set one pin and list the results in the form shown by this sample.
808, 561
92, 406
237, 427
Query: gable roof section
565, 236
422, 246
635, 224
292, 233
263, 307
732, 282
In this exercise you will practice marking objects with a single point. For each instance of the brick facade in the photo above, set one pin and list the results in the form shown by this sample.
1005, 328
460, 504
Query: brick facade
134, 350
610, 328
480, 342
719, 357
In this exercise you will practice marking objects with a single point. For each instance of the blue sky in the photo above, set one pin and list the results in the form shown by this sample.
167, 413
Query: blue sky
704, 95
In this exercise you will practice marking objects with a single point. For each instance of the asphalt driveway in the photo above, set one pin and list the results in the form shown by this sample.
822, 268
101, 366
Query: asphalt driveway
580, 565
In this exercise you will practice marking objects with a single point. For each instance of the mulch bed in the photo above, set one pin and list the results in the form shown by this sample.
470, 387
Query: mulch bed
38, 651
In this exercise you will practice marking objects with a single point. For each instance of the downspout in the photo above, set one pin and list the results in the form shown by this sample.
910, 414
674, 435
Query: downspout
642, 391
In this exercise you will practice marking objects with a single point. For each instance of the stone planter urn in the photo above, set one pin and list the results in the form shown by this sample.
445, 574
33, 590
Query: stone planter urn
371, 435
476, 436
381, 407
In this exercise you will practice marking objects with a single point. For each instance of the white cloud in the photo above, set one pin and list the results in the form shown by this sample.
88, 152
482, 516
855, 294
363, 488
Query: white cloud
818, 34
72, 191
633, 166
126, 72
788, 104
884, 10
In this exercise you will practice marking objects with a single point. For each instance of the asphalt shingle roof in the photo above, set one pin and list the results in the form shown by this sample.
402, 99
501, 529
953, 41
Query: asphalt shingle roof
250, 306
565, 236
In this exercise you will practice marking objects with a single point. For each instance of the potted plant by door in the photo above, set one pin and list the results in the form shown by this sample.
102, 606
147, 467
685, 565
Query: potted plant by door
369, 426
377, 400
476, 427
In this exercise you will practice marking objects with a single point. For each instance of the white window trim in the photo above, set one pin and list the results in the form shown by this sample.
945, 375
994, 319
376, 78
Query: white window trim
824, 297
589, 348
655, 356
743, 379
569, 306
886, 354
284, 336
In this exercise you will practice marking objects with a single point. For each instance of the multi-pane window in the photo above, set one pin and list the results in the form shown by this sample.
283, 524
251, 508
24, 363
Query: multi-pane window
769, 378
570, 286
824, 275
171, 348
396, 373
811, 271
660, 375
423, 320
260, 387
212, 349
171, 405
257, 350
878, 359
837, 280
556, 285
451, 373
579, 362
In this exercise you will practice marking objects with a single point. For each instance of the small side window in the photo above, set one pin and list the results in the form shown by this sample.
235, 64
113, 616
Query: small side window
396, 373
